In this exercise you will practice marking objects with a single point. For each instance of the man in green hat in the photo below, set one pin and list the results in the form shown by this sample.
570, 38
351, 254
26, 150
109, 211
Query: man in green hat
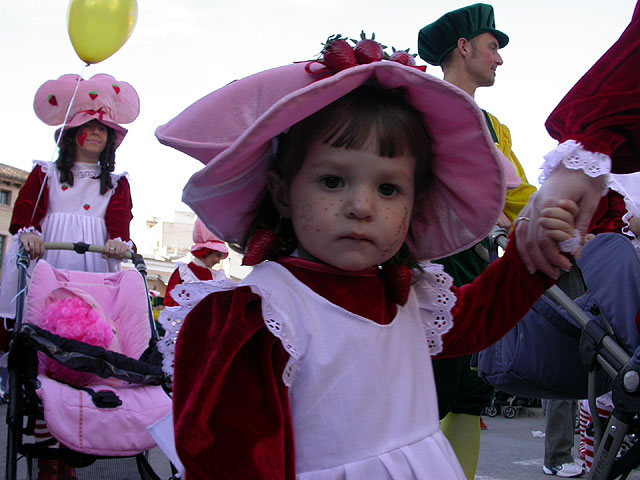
465, 44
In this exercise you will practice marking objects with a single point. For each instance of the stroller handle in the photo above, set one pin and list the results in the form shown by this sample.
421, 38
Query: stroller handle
80, 247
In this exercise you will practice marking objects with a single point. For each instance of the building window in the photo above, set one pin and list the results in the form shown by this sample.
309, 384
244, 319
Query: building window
5, 197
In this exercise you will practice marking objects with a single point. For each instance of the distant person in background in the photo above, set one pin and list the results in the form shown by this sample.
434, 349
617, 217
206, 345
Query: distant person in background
208, 250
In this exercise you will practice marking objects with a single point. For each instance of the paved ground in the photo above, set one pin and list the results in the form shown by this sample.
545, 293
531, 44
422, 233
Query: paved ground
509, 451
98, 471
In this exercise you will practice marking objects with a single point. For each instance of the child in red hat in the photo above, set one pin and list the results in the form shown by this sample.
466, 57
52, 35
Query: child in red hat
207, 250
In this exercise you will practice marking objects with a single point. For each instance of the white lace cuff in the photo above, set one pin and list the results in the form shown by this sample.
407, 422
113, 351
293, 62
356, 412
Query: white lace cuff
27, 230
571, 245
436, 300
573, 156
128, 242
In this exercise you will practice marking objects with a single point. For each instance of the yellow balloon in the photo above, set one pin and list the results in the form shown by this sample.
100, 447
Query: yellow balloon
98, 28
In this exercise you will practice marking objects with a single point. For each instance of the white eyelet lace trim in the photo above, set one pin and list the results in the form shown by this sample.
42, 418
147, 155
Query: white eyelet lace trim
188, 295
572, 155
436, 300
278, 323
27, 230
128, 242
44, 165
571, 245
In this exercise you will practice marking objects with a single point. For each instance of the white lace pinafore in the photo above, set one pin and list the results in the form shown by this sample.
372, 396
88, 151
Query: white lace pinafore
74, 214
362, 395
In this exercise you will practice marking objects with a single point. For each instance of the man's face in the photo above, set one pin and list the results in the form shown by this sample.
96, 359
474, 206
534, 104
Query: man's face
484, 59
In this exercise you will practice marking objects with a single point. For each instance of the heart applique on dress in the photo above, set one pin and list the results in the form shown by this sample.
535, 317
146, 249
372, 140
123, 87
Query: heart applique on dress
86, 206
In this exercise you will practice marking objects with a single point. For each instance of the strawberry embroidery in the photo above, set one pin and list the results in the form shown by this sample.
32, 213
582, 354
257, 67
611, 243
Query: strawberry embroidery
116, 88
52, 100
261, 246
93, 95
86, 206
64, 187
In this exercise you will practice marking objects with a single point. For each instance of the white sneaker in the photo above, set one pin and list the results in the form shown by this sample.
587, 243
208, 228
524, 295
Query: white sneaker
567, 470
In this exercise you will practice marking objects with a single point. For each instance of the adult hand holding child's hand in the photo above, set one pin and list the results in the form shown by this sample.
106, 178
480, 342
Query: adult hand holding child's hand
537, 249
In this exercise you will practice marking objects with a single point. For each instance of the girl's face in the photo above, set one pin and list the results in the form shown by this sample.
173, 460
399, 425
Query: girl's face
212, 259
349, 208
91, 139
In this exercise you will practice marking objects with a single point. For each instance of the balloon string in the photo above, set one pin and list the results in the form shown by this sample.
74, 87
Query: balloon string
66, 116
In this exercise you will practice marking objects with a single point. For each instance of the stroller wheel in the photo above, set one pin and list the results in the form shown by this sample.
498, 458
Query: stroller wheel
491, 411
509, 412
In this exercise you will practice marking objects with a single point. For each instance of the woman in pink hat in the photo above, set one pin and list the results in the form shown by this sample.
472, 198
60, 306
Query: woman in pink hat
208, 250
340, 188
77, 198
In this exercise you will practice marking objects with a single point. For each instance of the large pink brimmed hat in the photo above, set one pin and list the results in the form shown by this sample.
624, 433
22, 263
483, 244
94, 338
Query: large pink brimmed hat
204, 238
101, 98
232, 131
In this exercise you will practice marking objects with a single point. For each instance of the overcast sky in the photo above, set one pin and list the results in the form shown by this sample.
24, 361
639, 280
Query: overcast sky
181, 50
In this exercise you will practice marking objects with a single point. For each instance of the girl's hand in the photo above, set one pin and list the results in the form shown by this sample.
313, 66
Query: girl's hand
115, 249
33, 244
558, 221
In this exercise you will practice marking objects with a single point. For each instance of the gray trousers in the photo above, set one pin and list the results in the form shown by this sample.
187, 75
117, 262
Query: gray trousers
559, 430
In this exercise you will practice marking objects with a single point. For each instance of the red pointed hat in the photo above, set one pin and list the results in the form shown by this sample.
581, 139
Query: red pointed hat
101, 98
602, 110
232, 131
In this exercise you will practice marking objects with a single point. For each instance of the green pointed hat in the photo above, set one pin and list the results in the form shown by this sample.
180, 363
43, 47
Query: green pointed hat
437, 39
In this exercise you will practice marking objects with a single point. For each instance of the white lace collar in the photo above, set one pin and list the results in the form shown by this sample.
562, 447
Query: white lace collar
81, 170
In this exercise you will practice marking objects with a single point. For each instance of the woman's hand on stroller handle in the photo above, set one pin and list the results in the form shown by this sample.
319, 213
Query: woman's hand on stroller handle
33, 244
115, 249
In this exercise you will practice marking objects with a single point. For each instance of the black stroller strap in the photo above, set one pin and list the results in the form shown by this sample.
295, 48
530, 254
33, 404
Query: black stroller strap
101, 398
83, 357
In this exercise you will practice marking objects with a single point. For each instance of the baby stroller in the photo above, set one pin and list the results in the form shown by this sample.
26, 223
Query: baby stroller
99, 404
582, 348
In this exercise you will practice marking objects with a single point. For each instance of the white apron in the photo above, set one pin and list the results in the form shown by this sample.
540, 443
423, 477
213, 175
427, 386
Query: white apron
362, 395
74, 214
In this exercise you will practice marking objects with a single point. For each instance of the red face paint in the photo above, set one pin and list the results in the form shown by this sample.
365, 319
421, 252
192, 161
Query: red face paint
81, 138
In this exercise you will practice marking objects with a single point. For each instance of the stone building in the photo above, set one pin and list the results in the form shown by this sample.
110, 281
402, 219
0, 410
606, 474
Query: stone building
11, 181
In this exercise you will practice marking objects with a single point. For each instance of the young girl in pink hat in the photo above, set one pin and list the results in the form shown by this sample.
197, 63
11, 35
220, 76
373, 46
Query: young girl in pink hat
77, 197
339, 188
207, 250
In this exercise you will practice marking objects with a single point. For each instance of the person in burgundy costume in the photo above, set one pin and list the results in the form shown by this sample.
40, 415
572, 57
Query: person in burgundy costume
598, 126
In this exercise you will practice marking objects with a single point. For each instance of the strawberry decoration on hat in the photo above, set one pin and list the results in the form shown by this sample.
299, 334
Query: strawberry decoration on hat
402, 56
367, 50
337, 54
